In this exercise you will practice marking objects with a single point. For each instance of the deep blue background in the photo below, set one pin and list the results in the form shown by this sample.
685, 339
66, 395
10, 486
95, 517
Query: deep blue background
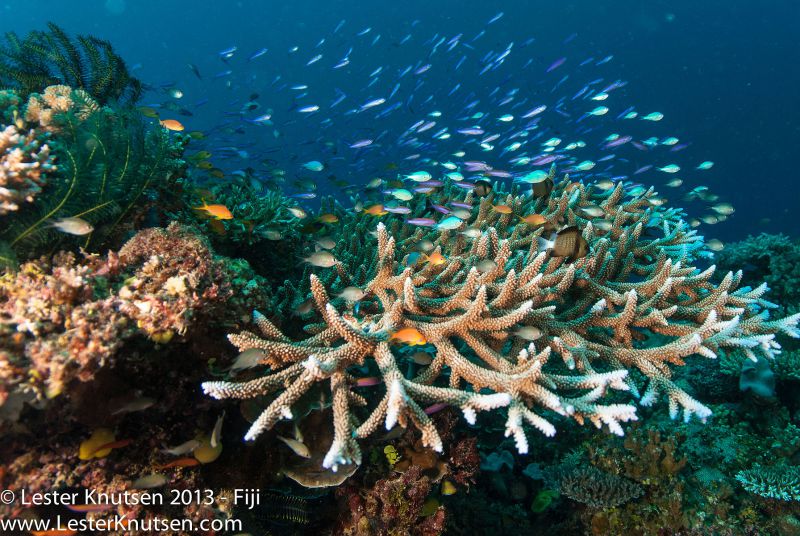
725, 73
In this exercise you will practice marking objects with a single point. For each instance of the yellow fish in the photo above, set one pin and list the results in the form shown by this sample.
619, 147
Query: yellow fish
219, 212
392, 456
533, 219
147, 111
298, 447
375, 210
201, 155
437, 259
328, 218
101, 437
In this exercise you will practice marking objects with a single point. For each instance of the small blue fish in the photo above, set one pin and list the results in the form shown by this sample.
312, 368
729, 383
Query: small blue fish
314, 165
449, 223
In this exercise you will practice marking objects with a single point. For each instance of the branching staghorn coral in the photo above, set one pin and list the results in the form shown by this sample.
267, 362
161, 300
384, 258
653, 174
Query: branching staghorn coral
776, 482
598, 317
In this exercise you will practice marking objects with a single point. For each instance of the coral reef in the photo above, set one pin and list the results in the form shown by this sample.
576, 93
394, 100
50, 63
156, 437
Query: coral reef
48, 110
392, 506
264, 232
774, 259
67, 320
262, 216
773, 482
68, 157
631, 308
404, 317
597, 489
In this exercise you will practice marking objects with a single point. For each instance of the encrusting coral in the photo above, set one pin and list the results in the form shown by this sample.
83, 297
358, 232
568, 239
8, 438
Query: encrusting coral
631, 308
68, 320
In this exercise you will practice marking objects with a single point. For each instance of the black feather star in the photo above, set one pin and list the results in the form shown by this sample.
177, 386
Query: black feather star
43, 58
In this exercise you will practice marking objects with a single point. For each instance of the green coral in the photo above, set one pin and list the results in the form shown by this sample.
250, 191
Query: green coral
776, 482
776, 260
259, 215
10, 102
596, 488
787, 365
771, 258
44, 59
263, 229
543, 500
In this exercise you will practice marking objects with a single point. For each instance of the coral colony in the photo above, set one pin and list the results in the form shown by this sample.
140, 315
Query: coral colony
636, 283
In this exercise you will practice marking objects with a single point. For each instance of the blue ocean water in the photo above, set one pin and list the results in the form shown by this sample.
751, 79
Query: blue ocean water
723, 74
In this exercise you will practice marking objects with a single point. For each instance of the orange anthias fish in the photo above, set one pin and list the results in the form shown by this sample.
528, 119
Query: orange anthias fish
436, 259
502, 209
220, 212
376, 210
54, 532
172, 124
328, 218
409, 336
181, 462
533, 219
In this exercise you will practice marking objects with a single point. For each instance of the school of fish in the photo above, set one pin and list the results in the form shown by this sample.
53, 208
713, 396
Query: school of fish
468, 108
